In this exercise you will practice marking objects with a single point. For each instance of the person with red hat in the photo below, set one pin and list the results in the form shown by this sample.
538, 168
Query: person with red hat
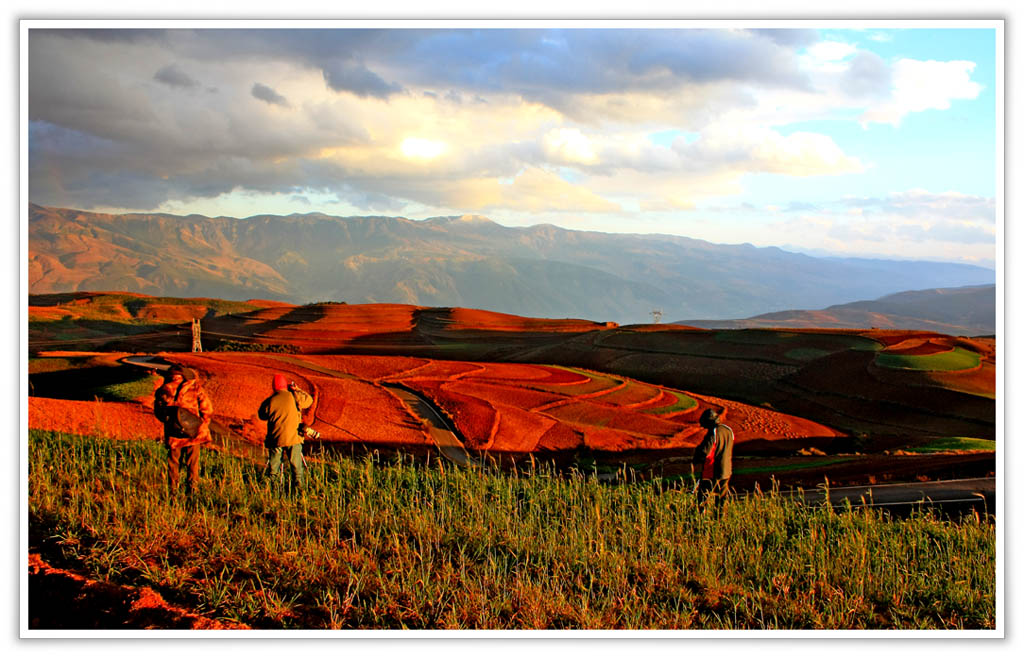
283, 413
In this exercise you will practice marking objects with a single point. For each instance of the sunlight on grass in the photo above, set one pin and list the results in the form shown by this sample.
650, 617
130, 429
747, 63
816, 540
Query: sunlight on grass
390, 543
955, 443
956, 359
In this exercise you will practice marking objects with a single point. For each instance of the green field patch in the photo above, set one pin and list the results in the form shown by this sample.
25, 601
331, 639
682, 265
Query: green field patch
806, 353
683, 402
956, 359
128, 390
57, 364
955, 443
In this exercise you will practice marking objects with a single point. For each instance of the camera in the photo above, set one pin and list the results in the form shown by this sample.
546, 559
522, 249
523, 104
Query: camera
307, 432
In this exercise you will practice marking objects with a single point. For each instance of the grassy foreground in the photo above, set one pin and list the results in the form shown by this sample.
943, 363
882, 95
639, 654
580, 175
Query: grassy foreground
380, 543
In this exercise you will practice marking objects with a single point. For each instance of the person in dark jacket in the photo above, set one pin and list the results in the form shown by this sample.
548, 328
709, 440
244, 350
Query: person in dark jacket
713, 458
283, 413
182, 388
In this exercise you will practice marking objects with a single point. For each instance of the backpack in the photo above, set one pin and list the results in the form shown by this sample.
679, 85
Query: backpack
180, 422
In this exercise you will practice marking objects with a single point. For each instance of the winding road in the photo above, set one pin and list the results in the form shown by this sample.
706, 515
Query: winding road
950, 495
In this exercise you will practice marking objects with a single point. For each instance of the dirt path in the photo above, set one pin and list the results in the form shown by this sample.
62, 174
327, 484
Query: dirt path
438, 427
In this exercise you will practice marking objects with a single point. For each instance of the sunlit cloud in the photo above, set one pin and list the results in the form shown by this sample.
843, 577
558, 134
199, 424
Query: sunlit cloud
920, 86
418, 148
539, 123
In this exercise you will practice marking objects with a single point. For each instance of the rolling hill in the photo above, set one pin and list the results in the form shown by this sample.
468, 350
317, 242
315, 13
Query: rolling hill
967, 311
469, 261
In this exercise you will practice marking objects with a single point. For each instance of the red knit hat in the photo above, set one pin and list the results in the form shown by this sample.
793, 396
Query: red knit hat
280, 382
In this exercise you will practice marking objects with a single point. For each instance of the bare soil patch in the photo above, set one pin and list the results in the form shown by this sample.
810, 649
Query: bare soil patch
59, 599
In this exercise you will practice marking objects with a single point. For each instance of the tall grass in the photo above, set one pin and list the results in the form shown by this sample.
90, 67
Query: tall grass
386, 543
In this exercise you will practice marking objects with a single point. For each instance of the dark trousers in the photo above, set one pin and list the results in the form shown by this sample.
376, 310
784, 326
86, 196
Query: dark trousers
190, 455
716, 489
275, 468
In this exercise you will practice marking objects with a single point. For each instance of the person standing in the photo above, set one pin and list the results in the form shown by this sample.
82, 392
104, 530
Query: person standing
713, 458
182, 388
283, 413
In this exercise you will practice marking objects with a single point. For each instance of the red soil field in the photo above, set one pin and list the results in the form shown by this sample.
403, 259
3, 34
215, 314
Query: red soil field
371, 368
891, 337
749, 422
353, 410
919, 347
343, 409
974, 381
526, 372
499, 407
515, 396
663, 399
338, 321
560, 437
518, 430
618, 418
632, 395
978, 381
170, 313
113, 420
464, 319
440, 370
594, 385
561, 377
474, 418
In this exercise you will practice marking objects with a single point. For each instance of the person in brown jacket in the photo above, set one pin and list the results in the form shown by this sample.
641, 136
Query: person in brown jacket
283, 413
713, 458
182, 388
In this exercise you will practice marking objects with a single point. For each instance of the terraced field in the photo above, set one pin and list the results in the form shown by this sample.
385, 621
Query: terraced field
500, 408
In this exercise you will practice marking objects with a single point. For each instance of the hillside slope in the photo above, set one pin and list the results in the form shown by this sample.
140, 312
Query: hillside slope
539, 271
967, 311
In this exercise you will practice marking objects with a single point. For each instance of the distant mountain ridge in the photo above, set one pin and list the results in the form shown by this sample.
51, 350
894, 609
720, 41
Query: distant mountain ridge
469, 261
970, 311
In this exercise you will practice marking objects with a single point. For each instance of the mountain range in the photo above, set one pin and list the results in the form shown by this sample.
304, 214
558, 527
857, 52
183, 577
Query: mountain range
468, 261
966, 311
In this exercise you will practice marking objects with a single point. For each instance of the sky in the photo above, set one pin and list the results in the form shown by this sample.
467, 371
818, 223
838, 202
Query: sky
866, 139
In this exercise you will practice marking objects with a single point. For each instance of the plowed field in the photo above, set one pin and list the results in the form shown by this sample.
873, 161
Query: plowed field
496, 407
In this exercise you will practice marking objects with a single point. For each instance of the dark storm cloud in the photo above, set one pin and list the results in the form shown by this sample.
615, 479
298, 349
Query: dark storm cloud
356, 78
104, 35
106, 135
173, 76
551, 66
265, 93
789, 37
546, 65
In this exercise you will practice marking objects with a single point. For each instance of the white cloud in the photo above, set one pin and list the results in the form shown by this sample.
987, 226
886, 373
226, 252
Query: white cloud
831, 51
924, 85
569, 146
473, 122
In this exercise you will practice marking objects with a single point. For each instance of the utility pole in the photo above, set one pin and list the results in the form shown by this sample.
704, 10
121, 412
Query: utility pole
656, 314
197, 344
